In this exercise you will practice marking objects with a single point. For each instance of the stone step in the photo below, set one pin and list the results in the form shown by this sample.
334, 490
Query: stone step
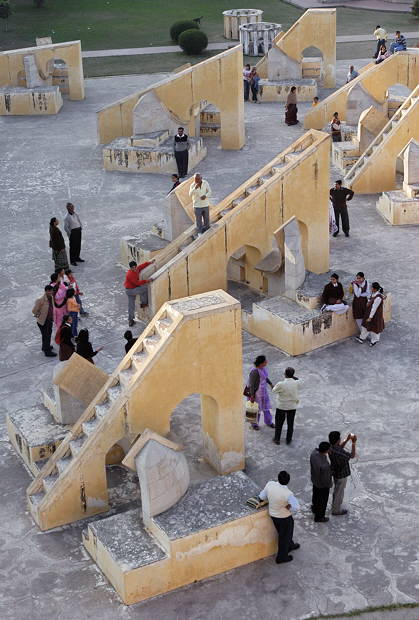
63, 463
91, 425
37, 497
49, 481
102, 409
114, 392
77, 444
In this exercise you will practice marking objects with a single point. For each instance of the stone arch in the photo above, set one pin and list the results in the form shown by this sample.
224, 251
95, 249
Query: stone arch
312, 63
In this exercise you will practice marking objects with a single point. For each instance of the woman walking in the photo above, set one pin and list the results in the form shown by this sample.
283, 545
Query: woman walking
254, 85
63, 338
60, 301
291, 107
84, 346
373, 323
258, 391
57, 245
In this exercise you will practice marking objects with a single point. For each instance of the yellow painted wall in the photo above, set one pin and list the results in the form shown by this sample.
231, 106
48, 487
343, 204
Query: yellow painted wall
217, 80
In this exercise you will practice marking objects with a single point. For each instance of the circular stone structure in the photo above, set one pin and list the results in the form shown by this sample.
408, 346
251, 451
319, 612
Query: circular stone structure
257, 38
234, 18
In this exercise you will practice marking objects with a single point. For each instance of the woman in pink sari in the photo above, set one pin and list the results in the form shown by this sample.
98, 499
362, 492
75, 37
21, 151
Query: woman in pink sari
60, 291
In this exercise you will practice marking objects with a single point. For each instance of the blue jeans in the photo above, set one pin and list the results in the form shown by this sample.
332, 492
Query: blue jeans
75, 317
395, 47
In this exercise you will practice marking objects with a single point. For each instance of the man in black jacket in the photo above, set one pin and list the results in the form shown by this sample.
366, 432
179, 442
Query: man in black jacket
321, 477
339, 195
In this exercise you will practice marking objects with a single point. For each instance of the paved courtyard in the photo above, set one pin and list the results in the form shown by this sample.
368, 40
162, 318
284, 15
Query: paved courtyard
369, 557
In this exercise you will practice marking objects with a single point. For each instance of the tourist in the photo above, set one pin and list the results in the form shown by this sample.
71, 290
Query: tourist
73, 283
258, 391
181, 149
246, 81
63, 338
338, 307
43, 312
339, 462
282, 502
352, 74
339, 195
84, 346
291, 107
361, 290
73, 309
373, 323
286, 392
315, 102
383, 54
60, 300
321, 478
333, 291
200, 191
134, 286
175, 181
254, 85
73, 228
399, 44
335, 128
381, 36
57, 245
130, 340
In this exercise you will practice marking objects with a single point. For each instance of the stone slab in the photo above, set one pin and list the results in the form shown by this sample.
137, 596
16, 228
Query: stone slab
208, 505
127, 541
278, 90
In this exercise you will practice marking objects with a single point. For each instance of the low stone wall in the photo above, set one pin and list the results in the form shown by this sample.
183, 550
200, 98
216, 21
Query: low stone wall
234, 18
17, 101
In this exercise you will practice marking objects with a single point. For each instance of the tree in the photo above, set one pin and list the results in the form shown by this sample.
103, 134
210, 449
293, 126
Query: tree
39, 3
5, 12
193, 41
415, 8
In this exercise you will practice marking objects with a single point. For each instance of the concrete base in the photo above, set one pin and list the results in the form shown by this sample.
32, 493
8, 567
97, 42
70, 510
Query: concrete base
17, 101
210, 122
210, 531
398, 209
345, 154
34, 435
279, 90
140, 249
121, 155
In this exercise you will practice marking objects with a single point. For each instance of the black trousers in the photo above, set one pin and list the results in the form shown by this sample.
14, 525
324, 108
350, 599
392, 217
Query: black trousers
285, 529
246, 88
342, 212
319, 502
75, 244
182, 158
254, 93
280, 416
46, 331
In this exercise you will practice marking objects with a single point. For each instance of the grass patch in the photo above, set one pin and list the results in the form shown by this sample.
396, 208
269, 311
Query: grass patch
113, 24
367, 610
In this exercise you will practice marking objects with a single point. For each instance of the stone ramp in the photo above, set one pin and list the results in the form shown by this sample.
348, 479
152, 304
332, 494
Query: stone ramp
375, 170
72, 485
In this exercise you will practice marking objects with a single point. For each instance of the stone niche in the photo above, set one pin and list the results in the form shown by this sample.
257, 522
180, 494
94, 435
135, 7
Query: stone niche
257, 38
234, 18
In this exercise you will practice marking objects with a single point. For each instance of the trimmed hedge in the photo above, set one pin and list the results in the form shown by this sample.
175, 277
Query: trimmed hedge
179, 27
193, 41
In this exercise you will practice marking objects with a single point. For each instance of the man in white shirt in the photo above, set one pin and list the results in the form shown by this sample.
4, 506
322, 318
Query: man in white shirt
282, 502
286, 393
200, 192
73, 228
381, 36
352, 74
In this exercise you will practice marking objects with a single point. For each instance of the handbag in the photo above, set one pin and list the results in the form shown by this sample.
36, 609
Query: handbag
246, 391
252, 410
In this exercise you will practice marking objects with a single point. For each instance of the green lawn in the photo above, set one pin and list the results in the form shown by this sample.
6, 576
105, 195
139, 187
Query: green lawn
110, 24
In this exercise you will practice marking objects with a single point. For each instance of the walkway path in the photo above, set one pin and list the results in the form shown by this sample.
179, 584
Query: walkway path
223, 45
374, 5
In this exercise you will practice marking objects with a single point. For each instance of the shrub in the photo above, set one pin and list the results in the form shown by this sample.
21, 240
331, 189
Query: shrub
193, 41
5, 12
415, 8
179, 27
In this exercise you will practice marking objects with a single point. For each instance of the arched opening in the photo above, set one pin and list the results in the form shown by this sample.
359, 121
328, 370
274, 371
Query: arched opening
58, 74
312, 63
187, 430
396, 95
245, 281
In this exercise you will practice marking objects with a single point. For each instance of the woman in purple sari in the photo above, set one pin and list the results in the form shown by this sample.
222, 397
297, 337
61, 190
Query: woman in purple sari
258, 390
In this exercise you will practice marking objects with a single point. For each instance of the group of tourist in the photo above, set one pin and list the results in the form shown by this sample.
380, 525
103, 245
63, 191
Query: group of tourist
399, 44
251, 81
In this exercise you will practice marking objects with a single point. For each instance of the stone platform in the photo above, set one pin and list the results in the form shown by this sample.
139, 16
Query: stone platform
209, 531
278, 90
398, 209
19, 101
124, 156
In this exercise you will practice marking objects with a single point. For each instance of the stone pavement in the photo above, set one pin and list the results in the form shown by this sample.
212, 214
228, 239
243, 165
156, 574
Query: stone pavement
166, 49
368, 558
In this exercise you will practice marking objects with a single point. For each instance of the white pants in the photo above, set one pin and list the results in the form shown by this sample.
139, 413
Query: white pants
365, 333
359, 323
